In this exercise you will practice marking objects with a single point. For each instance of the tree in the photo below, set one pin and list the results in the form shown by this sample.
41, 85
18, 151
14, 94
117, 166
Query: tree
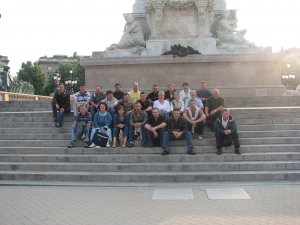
64, 71
32, 74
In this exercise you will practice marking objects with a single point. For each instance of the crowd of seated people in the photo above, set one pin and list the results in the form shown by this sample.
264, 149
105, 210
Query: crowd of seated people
118, 118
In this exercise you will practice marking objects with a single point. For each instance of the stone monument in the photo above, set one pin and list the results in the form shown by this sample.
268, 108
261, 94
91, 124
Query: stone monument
227, 60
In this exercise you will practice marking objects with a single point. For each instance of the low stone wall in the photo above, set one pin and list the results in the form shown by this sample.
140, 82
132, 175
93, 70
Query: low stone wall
242, 75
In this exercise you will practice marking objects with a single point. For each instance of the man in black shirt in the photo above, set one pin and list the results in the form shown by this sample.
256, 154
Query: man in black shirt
118, 94
60, 104
155, 127
176, 129
153, 96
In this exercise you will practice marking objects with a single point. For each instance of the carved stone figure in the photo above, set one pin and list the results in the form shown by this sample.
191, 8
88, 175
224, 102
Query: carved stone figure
133, 35
226, 30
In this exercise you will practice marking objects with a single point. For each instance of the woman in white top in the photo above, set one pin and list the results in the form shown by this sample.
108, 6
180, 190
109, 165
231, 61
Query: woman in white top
162, 104
177, 103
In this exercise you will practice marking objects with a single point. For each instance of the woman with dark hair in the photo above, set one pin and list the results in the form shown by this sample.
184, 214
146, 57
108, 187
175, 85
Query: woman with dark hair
102, 119
121, 125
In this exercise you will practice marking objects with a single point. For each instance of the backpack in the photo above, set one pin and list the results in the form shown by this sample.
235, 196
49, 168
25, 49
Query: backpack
100, 139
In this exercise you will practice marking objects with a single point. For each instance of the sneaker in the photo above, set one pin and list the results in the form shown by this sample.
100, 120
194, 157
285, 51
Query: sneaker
200, 138
123, 145
83, 137
86, 145
165, 152
237, 151
92, 145
107, 145
72, 144
130, 145
191, 152
114, 145
98, 146
57, 125
219, 152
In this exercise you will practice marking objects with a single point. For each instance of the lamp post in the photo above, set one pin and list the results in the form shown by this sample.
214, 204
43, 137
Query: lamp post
72, 81
288, 77
56, 78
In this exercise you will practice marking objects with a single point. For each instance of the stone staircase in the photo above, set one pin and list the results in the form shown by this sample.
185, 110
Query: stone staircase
34, 152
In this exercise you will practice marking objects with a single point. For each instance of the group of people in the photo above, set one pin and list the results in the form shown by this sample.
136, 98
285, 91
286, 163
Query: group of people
115, 117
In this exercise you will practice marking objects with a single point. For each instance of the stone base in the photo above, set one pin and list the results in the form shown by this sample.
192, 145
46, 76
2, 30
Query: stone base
120, 53
235, 75
204, 45
242, 49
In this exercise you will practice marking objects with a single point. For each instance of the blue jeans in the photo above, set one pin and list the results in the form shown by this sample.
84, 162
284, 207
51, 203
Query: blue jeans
117, 131
168, 135
145, 137
58, 115
78, 128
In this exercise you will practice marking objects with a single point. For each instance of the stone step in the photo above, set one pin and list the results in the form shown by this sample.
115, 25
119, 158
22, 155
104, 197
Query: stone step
205, 176
68, 120
265, 127
27, 114
144, 157
151, 166
57, 134
181, 143
139, 150
257, 123
33, 109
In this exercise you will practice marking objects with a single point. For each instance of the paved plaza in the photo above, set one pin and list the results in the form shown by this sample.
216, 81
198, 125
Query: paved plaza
156, 205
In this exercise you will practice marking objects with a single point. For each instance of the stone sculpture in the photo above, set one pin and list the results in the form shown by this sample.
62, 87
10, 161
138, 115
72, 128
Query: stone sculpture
133, 35
226, 30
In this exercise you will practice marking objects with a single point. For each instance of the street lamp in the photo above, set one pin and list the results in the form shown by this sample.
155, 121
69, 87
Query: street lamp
288, 77
56, 78
72, 81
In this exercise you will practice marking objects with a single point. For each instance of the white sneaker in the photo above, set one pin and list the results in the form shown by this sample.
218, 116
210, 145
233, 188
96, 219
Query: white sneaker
83, 137
98, 146
108, 145
92, 145
200, 138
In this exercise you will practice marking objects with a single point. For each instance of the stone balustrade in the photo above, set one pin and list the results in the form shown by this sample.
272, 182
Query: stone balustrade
9, 96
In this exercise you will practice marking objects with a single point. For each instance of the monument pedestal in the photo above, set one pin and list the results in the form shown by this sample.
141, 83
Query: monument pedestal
235, 75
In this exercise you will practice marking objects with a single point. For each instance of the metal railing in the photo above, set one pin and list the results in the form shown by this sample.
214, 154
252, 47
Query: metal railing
9, 96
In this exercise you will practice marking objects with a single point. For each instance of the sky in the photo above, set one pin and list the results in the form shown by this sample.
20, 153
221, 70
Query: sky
30, 29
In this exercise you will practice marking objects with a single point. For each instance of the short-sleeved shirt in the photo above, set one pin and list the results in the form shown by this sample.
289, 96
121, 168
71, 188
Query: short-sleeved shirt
145, 104
96, 98
82, 98
213, 103
134, 96
151, 121
203, 93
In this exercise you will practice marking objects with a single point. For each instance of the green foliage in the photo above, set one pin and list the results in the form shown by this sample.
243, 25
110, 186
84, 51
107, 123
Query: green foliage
32, 74
78, 72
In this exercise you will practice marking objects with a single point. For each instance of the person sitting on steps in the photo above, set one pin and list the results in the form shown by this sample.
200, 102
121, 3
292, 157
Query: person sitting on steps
226, 132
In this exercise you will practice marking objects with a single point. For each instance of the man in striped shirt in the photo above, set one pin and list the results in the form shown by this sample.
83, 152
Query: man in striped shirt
82, 97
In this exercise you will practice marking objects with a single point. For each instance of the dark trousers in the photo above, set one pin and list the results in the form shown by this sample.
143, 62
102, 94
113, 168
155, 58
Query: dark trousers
220, 139
199, 129
157, 142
